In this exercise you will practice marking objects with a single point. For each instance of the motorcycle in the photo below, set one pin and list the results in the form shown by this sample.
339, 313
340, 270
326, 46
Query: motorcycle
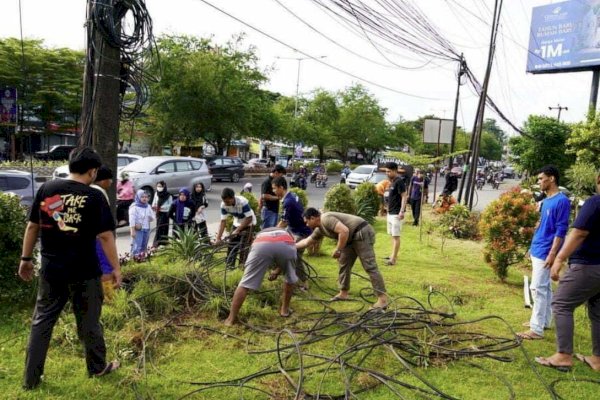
321, 180
496, 184
313, 176
298, 180
480, 182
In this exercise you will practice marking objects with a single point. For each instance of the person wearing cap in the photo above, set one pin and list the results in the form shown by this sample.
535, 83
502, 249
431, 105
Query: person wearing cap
125, 196
104, 179
269, 202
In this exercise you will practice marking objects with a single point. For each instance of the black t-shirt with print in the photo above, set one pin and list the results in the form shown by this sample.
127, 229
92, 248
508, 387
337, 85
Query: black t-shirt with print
267, 188
397, 187
70, 215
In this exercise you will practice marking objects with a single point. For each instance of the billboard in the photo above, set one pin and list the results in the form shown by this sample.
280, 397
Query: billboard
565, 37
438, 130
8, 107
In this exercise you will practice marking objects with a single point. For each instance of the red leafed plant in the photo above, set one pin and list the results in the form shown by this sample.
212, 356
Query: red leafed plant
507, 226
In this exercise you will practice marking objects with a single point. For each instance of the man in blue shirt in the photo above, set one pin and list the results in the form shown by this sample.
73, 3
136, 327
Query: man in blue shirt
547, 240
291, 218
580, 284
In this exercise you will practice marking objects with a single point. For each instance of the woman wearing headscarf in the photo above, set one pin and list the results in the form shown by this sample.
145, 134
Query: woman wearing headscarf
140, 216
198, 197
161, 204
182, 210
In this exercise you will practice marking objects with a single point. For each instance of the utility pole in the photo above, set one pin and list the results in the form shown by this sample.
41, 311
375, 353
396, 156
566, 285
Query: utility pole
299, 59
559, 108
101, 102
462, 69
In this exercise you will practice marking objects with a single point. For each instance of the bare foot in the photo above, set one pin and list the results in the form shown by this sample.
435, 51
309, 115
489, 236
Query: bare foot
230, 322
381, 303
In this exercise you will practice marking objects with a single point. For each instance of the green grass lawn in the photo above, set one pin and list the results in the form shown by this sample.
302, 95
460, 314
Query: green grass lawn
190, 344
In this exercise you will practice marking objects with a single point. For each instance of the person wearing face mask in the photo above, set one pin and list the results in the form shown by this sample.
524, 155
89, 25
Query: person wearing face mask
161, 205
200, 204
69, 215
140, 217
125, 194
182, 210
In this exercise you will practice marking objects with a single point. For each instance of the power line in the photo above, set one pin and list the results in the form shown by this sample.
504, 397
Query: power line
316, 58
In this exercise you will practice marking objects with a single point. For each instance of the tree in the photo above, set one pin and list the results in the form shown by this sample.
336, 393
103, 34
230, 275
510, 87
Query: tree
362, 122
49, 83
490, 126
209, 92
491, 148
543, 143
584, 141
320, 121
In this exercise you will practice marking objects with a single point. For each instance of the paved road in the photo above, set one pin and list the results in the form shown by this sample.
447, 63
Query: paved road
315, 199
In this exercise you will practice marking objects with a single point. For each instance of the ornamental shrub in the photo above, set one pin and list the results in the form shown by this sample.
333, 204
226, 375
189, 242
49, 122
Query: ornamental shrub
507, 226
14, 221
367, 201
334, 167
459, 222
301, 196
339, 198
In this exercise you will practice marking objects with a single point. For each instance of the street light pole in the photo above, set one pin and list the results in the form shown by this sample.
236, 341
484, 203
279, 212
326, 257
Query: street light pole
299, 59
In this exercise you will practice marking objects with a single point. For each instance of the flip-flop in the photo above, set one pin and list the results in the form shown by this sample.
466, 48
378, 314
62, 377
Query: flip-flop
529, 335
584, 360
382, 308
336, 298
528, 325
388, 262
546, 363
110, 367
290, 312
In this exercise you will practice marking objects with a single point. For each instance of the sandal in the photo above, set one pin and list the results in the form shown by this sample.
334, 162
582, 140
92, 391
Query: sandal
547, 363
529, 335
290, 312
584, 360
110, 367
389, 262
337, 298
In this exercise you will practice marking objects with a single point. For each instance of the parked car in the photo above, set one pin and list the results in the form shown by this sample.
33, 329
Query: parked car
509, 172
377, 177
62, 172
360, 174
58, 152
257, 162
20, 184
177, 172
228, 168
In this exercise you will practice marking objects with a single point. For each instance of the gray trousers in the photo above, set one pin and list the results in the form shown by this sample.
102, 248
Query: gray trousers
361, 247
86, 297
580, 284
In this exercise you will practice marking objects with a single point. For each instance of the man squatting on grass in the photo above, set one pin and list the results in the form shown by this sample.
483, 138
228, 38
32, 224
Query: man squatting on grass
579, 284
272, 246
70, 215
355, 238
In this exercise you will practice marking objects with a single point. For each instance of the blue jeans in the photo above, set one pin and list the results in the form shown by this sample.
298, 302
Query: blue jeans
139, 243
269, 218
541, 290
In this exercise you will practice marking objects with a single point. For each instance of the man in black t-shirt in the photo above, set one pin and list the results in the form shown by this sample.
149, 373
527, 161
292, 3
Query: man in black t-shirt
397, 196
579, 284
269, 202
69, 215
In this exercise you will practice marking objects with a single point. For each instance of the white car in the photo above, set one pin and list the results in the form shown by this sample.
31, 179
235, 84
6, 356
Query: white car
360, 174
122, 160
256, 163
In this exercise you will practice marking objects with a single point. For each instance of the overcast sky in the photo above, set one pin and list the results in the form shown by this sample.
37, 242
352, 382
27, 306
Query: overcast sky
465, 23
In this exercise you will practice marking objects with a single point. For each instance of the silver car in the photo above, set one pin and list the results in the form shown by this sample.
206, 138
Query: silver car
124, 159
20, 184
360, 174
177, 172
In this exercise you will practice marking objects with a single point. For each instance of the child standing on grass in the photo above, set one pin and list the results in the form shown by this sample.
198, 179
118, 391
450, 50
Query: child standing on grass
140, 216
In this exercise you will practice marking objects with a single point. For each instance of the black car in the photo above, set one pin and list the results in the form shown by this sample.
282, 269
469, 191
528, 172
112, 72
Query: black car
226, 168
58, 152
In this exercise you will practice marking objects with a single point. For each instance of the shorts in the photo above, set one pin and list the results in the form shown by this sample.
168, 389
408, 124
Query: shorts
394, 225
265, 255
